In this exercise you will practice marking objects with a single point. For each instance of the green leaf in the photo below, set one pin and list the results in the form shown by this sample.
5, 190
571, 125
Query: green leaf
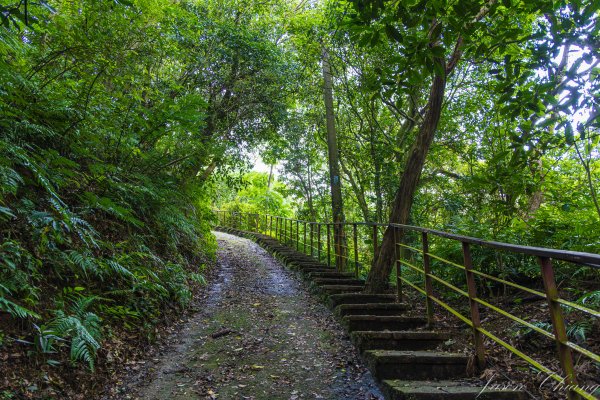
569, 133
393, 33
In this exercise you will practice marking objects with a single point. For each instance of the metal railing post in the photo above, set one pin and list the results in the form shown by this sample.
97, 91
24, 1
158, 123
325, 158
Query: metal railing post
312, 249
472, 291
398, 265
355, 240
319, 241
375, 242
304, 236
297, 235
558, 323
328, 245
428, 284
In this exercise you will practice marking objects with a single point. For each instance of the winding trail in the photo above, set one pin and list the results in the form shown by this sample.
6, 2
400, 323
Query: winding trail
258, 335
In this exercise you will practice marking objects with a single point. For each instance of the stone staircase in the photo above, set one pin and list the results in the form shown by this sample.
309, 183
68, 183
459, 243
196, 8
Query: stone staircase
398, 349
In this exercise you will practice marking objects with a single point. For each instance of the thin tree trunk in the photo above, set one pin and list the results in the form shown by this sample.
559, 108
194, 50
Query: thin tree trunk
311, 205
358, 192
378, 279
377, 180
337, 209
588, 174
270, 176
208, 171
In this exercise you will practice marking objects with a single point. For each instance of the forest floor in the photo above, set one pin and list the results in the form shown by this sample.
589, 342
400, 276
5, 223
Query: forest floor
258, 334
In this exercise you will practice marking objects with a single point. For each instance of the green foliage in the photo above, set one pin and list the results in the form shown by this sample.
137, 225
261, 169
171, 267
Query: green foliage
115, 116
590, 300
257, 195
78, 325
107, 136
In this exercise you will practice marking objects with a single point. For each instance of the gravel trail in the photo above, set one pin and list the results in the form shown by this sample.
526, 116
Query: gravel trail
258, 334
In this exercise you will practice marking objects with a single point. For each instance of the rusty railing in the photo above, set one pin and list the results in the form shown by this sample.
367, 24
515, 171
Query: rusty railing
360, 246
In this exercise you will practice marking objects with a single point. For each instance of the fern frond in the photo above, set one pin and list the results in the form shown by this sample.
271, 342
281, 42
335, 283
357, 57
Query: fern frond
119, 269
15, 310
82, 327
85, 262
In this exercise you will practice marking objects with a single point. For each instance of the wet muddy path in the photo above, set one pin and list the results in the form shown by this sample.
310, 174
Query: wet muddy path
258, 334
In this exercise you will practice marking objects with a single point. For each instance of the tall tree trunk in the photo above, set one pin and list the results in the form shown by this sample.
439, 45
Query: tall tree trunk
358, 192
377, 180
378, 279
311, 205
337, 209
270, 176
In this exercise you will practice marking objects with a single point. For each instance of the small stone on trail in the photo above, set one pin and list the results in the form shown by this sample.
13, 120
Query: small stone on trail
221, 333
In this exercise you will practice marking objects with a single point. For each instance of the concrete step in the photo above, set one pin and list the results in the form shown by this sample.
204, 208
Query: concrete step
371, 309
338, 281
381, 322
359, 298
296, 258
398, 340
415, 365
445, 390
307, 271
309, 266
338, 289
330, 274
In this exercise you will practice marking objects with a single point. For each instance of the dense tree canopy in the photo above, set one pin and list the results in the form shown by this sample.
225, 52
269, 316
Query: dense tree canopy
123, 122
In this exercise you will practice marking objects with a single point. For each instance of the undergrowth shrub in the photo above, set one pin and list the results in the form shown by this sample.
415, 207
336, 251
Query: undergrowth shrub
94, 237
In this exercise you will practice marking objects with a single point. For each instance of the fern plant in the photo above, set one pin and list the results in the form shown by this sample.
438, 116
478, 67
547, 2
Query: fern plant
12, 308
591, 299
81, 327
578, 331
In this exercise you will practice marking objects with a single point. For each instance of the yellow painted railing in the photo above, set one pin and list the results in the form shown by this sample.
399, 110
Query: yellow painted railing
361, 243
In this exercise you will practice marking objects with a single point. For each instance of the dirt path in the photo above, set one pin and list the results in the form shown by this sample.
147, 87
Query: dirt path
257, 335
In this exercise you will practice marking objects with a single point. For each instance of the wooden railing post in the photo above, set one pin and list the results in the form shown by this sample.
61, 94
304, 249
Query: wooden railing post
472, 291
558, 323
428, 284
